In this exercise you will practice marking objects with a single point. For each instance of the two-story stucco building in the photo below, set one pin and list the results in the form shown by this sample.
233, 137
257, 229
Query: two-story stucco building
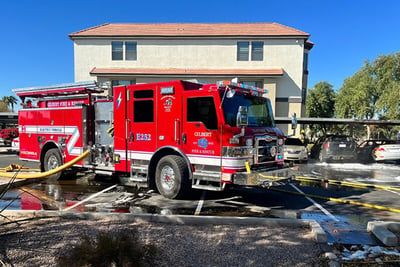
267, 55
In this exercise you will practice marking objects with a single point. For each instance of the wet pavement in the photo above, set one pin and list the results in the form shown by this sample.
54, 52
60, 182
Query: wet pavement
346, 224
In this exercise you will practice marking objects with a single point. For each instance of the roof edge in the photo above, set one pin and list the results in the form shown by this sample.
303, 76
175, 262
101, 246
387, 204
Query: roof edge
70, 36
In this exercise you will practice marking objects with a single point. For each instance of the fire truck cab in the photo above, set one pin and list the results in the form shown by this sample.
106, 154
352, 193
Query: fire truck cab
171, 136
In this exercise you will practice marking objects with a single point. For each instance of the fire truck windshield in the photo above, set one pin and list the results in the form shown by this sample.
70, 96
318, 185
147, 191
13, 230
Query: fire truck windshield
258, 108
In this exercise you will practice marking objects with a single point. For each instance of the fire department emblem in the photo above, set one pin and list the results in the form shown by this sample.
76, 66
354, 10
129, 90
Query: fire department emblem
203, 143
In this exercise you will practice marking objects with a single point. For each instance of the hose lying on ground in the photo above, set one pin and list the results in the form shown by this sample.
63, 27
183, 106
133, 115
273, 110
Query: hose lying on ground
22, 175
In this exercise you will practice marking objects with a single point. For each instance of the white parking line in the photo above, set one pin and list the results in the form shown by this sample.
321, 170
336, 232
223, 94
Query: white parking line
316, 204
200, 204
394, 192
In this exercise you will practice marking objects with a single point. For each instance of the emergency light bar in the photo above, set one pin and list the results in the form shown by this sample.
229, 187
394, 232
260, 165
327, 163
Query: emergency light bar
252, 89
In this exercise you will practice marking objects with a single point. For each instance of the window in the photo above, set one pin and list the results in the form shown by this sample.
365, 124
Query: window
258, 84
122, 82
243, 51
130, 51
202, 109
305, 63
257, 51
117, 51
118, 47
143, 107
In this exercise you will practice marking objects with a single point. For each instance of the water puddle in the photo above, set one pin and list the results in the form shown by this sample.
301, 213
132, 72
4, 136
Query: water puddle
345, 230
60, 195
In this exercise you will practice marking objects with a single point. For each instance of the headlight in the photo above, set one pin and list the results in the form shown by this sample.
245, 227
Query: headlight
249, 142
280, 142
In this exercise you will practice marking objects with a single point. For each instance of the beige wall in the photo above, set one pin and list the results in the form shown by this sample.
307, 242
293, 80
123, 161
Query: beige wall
192, 54
202, 54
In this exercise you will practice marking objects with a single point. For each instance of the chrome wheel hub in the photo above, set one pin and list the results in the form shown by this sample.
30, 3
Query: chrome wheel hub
167, 178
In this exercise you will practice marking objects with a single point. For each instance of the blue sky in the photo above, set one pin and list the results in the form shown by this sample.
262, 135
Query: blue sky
35, 48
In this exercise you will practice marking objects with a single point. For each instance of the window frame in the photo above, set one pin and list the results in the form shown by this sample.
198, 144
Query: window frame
117, 50
240, 53
250, 51
257, 53
126, 52
132, 52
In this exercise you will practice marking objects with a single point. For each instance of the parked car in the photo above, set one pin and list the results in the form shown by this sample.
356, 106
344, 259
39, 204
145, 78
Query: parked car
378, 151
8, 134
334, 148
14, 146
295, 150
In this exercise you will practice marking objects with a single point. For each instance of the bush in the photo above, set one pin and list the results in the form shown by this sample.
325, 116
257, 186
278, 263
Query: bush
110, 249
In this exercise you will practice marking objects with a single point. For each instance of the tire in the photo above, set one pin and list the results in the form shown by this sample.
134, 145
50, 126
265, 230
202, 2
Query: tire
52, 160
172, 177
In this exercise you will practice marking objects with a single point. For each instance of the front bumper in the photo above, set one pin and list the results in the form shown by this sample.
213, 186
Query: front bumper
264, 177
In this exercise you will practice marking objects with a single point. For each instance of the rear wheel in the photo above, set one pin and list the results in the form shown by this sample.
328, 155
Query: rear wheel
52, 160
172, 177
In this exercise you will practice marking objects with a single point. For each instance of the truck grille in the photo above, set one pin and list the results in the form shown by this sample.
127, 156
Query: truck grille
266, 149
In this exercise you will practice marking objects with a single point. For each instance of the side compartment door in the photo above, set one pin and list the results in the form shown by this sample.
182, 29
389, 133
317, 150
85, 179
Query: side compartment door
28, 138
74, 132
51, 126
169, 117
201, 130
120, 128
142, 125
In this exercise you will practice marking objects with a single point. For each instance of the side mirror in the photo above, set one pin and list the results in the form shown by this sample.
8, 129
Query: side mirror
242, 117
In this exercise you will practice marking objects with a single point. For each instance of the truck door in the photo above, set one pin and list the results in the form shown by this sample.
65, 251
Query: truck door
201, 134
169, 116
141, 123
28, 135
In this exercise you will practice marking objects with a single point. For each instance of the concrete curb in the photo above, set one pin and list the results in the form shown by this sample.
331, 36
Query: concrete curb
382, 231
319, 234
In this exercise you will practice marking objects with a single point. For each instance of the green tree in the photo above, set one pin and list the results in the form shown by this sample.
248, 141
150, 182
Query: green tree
372, 92
9, 101
386, 72
3, 107
12, 101
358, 96
321, 101
321, 104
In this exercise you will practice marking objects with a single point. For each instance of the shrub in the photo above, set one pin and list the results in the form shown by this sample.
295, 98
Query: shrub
110, 249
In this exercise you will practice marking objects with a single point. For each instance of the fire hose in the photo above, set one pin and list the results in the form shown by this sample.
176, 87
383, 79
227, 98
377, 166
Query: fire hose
30, 175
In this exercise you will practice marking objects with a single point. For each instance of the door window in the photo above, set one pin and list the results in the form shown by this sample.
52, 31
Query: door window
202, 109
143, 106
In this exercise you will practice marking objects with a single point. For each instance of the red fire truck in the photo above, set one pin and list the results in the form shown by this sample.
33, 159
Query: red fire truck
172, 135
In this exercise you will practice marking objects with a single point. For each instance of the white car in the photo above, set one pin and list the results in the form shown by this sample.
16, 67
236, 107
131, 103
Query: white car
14, 146
387, 151
295, 149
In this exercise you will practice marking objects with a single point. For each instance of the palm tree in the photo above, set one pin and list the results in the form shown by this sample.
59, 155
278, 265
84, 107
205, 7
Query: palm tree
4, 99
12, 101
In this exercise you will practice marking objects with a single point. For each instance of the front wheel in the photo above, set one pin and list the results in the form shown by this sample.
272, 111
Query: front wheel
172, 177
52, 160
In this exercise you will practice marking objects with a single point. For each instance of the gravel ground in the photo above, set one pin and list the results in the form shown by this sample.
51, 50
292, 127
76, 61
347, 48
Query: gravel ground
39, 242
